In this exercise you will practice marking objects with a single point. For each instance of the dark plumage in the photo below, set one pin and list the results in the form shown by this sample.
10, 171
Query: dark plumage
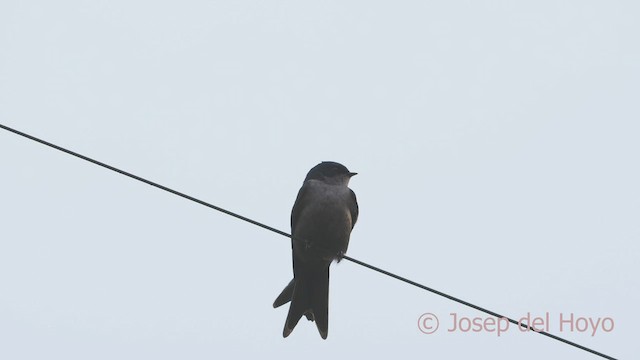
322, 218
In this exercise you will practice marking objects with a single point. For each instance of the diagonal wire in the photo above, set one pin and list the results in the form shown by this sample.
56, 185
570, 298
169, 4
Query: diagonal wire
149, 182
492, 313
267, 227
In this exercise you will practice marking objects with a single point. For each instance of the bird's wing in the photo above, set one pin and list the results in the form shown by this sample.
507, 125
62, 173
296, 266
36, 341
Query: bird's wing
353, 208
298, 205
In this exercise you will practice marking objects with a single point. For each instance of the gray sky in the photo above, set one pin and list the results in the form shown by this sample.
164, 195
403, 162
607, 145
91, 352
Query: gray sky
497, 146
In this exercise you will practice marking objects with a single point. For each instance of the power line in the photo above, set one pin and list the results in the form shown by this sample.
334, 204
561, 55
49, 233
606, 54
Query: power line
267, 227
492, 313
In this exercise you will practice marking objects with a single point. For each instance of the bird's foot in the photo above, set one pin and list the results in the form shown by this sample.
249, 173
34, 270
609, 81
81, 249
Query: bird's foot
309, 316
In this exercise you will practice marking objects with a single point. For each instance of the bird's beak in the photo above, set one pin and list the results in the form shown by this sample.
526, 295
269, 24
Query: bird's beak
352, 174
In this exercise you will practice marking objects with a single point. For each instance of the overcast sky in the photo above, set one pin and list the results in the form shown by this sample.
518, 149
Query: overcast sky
496, 144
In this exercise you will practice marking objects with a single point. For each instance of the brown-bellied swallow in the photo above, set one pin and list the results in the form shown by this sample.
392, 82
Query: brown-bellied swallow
322, 218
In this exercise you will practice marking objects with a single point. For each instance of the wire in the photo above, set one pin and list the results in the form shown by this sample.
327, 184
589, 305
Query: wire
492, 313
267, 227
149, 182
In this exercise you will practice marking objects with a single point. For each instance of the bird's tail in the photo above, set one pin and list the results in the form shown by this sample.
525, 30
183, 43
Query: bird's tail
285, 295
309, 296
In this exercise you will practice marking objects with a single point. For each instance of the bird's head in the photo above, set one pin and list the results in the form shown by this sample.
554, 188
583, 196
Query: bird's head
331, 173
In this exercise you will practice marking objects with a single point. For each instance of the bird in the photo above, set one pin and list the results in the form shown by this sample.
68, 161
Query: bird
323, 215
